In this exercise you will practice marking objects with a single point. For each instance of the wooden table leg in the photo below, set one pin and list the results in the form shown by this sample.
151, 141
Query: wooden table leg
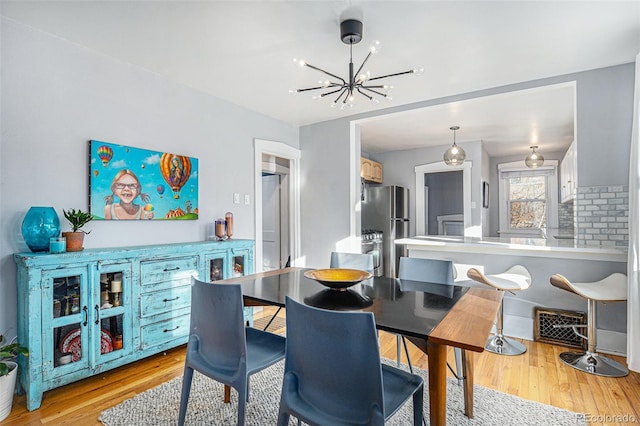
437, 383
467, 362
227, 394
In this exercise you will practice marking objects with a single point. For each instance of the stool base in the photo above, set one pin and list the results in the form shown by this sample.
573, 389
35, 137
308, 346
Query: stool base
500, 345
593, 363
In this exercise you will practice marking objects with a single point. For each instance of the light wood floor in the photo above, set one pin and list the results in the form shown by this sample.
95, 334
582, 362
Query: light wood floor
537, 375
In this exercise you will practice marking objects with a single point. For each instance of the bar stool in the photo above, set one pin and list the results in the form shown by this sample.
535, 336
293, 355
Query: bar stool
610, 289
514, 279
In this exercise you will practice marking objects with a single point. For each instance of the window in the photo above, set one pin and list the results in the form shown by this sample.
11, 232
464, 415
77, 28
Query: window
528, 199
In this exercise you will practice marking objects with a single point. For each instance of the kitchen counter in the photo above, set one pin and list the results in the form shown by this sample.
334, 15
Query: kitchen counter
536, 247
543, 258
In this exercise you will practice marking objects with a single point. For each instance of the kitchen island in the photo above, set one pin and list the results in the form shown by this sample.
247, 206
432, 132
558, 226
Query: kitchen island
543, 258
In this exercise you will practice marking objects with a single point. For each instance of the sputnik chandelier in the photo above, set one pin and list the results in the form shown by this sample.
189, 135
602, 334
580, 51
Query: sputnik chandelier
358, 81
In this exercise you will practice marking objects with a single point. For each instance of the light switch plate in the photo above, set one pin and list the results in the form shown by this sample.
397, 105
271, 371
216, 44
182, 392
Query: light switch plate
247, 200
236, 198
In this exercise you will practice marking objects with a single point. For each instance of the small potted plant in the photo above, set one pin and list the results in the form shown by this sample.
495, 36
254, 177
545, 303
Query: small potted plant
77, 219
8, 374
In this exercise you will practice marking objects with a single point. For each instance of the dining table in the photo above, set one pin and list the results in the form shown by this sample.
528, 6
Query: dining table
432, 316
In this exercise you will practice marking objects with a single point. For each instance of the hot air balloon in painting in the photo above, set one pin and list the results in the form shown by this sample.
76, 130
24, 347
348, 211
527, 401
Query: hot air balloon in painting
176, 170
105, 153
160, 189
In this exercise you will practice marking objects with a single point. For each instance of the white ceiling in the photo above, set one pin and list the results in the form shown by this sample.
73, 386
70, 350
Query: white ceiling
242, 51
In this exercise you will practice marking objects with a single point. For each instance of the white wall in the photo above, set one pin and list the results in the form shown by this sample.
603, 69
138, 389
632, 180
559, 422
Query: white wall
57, 95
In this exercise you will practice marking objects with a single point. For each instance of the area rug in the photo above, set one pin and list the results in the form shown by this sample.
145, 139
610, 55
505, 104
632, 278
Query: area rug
160, 405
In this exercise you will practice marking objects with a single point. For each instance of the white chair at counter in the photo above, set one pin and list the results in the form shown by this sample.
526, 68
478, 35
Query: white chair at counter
610, 289
514, 279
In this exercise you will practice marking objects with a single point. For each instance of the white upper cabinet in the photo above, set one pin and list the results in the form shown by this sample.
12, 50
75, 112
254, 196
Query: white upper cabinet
569, 174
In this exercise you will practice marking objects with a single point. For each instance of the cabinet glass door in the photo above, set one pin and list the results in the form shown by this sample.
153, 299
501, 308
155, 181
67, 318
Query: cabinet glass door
112, 312
66, 317
216, 266
241, 262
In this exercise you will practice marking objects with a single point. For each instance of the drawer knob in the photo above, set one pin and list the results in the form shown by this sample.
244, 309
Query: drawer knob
166, 330
171, 269
170, 300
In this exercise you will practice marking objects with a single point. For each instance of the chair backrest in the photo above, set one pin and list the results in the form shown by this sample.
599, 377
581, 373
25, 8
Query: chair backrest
335, 359
426, 270
217, 322
364, 262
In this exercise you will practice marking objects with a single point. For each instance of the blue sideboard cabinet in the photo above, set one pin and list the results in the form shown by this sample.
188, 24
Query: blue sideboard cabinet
82, 313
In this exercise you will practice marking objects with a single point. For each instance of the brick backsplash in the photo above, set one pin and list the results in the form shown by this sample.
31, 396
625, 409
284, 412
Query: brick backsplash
566, 217
602, 216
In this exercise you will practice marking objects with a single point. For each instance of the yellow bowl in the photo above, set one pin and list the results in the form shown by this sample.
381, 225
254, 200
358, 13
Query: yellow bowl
338, 278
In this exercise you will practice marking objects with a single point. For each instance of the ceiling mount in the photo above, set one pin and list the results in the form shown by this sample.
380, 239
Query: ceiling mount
358, 80
351, 31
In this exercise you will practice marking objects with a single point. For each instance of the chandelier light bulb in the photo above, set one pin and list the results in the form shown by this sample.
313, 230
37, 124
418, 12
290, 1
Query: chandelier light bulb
418, 70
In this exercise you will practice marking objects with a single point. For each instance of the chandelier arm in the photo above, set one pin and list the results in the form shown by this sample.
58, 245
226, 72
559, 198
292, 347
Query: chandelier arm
363, 62
392, 75
364, 94
311, 88
374, 91
332, 84
325, 72
344, 90
332, 92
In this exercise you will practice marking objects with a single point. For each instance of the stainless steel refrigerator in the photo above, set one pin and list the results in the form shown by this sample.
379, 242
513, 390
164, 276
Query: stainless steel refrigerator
386, 208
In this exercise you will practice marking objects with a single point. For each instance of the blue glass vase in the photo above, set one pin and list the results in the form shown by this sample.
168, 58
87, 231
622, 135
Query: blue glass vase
40, 224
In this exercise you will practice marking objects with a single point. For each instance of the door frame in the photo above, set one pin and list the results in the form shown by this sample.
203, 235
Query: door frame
440, 167
292, 154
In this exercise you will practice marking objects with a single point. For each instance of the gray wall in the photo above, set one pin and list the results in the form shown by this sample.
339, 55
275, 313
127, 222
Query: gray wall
57, 95
604, 113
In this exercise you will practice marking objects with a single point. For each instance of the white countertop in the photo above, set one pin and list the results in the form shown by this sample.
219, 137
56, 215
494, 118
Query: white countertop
540, 247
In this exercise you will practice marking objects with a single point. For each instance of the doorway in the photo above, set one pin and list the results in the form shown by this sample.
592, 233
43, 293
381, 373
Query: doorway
276, 252
444, 203
422, 172
278, 204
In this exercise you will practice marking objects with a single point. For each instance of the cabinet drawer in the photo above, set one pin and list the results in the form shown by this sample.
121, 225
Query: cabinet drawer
165, 331
177, 271
162, 301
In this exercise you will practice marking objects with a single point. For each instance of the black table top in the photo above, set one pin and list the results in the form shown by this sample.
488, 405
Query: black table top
399, 306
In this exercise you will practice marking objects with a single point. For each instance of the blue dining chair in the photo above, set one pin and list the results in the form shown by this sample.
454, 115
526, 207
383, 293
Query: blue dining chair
333, 374
221, 347
361, 261
413, 272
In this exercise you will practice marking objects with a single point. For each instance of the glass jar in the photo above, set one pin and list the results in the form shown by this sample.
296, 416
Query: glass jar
228, 218
220, 229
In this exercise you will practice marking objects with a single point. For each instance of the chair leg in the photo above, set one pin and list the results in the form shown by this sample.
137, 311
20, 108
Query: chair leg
184, 396
499, 344
242, 404
398, 349
460, 373
418, 407
590, 361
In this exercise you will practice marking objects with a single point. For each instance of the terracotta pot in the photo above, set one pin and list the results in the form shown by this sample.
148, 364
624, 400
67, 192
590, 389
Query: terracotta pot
7, 388
74, 240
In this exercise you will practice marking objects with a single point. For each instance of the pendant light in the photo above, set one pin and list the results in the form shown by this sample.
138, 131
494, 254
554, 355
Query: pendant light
534, 160
455, 155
